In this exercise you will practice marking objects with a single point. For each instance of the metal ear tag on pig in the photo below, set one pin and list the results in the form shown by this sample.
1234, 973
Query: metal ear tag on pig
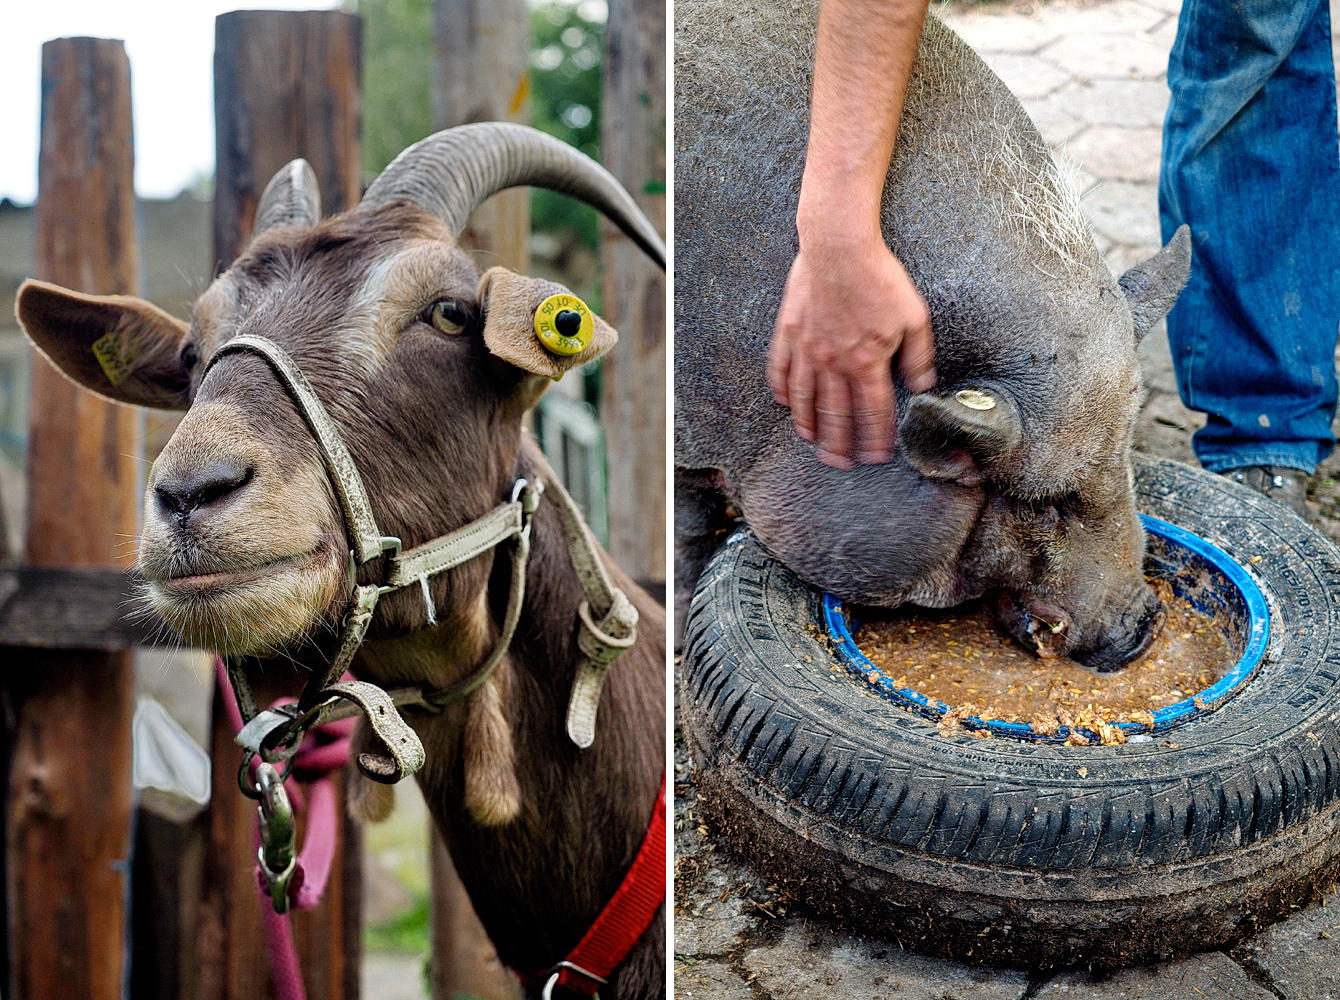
563, 325
975, 399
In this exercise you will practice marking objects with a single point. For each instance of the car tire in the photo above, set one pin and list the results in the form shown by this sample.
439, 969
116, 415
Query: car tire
1010, 852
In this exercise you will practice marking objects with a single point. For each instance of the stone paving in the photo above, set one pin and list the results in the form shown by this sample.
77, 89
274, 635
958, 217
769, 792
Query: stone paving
1092, 76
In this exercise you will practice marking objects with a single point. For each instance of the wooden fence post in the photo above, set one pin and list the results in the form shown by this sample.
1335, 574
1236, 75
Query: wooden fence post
481, 72
69, 800
632, 143
286, 84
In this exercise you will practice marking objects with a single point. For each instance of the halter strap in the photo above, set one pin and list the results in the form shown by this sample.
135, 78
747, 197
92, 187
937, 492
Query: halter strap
368, 542
608, 620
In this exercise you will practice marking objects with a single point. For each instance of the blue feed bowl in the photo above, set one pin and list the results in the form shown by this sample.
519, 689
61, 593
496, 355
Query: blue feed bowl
1201, 573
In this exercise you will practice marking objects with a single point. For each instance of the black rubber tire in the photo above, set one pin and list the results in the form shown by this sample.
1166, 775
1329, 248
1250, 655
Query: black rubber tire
999, 851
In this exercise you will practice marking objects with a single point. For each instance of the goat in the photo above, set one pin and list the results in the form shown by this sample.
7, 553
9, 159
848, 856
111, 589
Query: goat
426, 368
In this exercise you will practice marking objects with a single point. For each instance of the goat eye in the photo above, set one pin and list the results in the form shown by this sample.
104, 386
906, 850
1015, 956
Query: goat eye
189, 357
448, 316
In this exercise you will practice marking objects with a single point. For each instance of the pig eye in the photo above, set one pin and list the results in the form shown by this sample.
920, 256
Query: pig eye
449, 316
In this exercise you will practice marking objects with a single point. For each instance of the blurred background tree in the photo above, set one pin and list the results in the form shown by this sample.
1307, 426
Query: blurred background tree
397, 77
566, 54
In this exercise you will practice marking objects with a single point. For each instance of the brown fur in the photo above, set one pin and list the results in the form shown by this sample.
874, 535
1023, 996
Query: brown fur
491, 792
541, 832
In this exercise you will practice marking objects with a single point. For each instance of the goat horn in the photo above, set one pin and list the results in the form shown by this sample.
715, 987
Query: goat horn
451, 174
292, 197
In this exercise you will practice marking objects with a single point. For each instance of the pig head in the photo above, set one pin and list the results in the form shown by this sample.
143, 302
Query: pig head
1011, 478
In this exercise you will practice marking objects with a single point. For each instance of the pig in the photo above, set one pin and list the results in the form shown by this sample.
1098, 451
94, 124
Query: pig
1011, 478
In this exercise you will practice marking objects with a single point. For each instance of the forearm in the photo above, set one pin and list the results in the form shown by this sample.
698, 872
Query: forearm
863, 60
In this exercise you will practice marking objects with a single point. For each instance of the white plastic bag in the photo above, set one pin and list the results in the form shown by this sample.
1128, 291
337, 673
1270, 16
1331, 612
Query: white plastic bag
168, 766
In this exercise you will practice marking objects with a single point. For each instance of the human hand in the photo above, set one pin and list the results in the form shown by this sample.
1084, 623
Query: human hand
849, 306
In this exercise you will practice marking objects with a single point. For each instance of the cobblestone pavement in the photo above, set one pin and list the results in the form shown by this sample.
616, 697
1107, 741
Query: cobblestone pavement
1092, 78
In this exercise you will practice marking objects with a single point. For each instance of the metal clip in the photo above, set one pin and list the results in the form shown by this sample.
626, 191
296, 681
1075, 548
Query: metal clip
277, 857
548, 992
529, 494
274, 735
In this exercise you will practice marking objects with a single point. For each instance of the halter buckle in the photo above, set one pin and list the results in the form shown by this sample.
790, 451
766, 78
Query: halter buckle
388, 543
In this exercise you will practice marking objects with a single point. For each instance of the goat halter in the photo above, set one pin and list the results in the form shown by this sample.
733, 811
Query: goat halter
607, 618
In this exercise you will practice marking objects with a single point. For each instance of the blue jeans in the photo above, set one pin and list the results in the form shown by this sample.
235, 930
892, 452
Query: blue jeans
1250, 162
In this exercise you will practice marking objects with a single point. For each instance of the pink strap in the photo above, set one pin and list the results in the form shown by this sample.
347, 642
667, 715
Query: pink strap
323, 750
283, 955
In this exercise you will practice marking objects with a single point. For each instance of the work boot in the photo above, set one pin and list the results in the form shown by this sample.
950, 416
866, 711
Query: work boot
1279, 482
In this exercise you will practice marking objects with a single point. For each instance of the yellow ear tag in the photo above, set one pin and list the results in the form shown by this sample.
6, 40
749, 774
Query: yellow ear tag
564, 325
115, 357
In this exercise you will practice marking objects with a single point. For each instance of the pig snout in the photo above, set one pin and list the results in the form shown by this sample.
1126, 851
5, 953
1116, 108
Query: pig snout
1048, 630
1128, 637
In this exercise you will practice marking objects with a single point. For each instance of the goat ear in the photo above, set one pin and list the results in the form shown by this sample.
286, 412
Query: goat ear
520, 311
963, 437
1152, 286
118, 346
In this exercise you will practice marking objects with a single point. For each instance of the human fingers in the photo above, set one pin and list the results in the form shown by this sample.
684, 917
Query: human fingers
779, 364
833, 412
800, 391
916, 355
872, 415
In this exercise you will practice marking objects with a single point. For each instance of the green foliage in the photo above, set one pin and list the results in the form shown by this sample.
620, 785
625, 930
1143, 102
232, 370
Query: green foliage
397, 77
566, 68
407, 931
567, 52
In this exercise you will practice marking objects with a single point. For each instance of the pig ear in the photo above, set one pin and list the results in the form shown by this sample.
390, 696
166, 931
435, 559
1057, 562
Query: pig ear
1151, 287
119, 346
963, 437
527, 322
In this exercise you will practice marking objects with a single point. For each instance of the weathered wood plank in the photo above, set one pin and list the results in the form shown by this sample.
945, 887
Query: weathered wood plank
68, 812
87, 608
632, 410
481, 74
286, 84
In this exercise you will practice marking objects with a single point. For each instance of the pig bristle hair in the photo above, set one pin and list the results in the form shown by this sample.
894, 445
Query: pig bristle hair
1045, 202
1038, 191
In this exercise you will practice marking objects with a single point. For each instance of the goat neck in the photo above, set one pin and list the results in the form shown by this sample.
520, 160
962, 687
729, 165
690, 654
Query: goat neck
539, 880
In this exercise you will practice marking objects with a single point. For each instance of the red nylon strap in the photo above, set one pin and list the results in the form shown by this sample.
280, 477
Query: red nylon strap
626, 916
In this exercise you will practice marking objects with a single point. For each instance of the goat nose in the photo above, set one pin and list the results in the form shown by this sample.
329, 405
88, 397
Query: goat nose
182, 494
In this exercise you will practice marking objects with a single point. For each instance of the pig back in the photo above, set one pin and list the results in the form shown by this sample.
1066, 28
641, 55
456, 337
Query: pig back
986, 223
